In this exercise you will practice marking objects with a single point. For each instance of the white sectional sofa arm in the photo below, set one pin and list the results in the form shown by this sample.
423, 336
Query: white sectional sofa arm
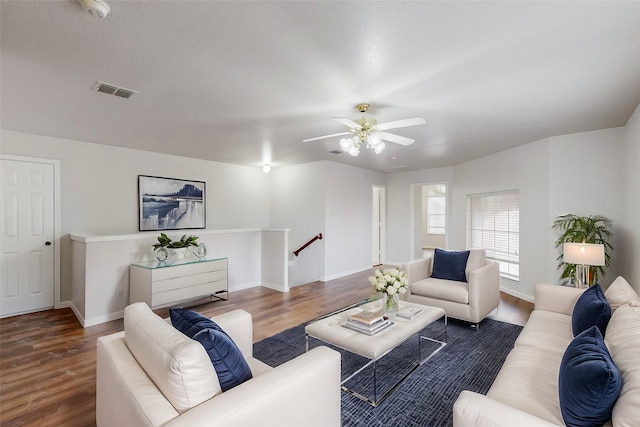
304, 391
477, 410
558, 299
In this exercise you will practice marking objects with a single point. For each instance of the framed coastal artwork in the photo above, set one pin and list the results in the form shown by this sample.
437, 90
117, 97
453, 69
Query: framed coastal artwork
170, 204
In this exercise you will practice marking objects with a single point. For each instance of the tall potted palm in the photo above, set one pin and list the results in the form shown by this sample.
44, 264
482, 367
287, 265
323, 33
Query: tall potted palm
583, 229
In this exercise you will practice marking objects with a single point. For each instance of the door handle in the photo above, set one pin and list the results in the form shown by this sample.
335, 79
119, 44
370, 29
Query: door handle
47, 243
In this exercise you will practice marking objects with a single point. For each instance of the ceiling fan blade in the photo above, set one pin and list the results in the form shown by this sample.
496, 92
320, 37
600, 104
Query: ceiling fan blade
396, 138
326, 136
401, 123
347, 122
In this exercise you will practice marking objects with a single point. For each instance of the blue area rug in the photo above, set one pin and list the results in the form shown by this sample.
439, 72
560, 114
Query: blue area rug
470, 361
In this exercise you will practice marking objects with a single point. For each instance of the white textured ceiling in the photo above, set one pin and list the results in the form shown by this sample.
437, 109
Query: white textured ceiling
245, 82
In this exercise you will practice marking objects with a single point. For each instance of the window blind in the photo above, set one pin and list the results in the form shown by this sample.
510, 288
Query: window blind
436, 216
494, 225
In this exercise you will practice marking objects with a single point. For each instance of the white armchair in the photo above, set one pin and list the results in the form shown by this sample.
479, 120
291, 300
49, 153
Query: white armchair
470, 301
303, 391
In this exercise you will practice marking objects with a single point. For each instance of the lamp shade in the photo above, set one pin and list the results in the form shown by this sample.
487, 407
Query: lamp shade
583, 253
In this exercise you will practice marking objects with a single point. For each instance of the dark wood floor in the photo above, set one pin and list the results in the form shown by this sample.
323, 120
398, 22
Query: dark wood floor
48, 361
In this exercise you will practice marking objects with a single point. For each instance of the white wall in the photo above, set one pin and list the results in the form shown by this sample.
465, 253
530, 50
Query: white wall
578, 173
297, 202
99, 188
328, 198
401, 224
525, 169
628, 249
585, 179
348, 240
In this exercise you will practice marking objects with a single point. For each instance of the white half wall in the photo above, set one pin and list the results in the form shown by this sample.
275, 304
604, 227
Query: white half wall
101, 266
275, 259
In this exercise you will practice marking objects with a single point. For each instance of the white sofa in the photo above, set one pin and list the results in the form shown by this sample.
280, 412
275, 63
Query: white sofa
303, 391
525, 392
470, 301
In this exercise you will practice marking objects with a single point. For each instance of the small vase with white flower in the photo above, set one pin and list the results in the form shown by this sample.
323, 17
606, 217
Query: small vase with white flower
391, 283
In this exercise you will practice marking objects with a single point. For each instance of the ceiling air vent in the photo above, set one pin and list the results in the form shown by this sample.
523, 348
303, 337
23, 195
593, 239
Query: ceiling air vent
336, 151
114, 90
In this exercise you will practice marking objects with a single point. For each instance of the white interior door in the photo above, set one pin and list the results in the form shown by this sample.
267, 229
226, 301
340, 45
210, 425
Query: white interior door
27, 226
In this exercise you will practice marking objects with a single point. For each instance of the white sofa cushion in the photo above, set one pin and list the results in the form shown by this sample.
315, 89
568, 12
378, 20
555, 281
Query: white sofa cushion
547, 330
178, 365
442, 289
528, 381
623, 341
621, 293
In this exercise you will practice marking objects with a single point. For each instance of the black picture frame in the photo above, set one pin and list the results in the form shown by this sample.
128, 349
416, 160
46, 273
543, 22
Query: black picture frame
171, 203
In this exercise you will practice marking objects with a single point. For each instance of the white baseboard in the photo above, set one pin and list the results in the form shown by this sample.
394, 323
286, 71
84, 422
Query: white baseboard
243, 286
278, 288
346, 273
63, 304
77, 313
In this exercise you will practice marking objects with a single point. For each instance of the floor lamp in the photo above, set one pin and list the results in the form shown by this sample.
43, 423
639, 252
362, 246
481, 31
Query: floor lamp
583, 255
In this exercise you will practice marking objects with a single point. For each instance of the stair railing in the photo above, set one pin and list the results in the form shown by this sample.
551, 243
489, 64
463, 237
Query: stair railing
318, 237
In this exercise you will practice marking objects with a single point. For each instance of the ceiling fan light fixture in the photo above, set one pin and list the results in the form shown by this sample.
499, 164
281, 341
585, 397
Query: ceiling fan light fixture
346, 144
373, 139
367, 131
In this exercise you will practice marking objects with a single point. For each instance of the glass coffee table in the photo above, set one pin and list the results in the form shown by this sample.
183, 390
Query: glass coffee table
374, 349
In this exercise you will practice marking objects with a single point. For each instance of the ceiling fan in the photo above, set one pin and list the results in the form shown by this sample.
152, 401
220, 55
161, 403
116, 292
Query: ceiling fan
366, 130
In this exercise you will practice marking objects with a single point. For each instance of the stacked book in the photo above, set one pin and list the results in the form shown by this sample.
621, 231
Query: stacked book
367, 322
409, 312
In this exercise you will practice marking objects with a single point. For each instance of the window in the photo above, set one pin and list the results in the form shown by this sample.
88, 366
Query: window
494, 225
436, 208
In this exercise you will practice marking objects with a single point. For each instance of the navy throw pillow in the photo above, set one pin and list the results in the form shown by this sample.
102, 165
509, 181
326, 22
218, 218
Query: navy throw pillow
227, 359
592, 308
589, 383
450, 265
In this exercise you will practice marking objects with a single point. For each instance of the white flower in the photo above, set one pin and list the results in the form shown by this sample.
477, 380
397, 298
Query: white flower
390, 281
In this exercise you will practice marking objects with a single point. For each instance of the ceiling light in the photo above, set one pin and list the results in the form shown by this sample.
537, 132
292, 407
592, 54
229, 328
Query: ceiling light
266, 168
97, 8
362, 137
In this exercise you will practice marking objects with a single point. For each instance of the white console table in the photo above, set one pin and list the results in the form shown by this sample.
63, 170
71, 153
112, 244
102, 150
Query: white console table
161, 284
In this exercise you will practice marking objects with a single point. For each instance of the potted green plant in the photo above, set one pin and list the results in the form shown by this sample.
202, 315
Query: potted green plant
177, 248
583, 229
